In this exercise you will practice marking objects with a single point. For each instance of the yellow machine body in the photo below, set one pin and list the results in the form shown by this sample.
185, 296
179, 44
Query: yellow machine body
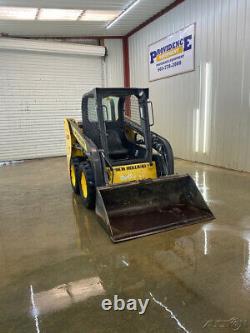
76, 146
126, 172
72, 139
132, 172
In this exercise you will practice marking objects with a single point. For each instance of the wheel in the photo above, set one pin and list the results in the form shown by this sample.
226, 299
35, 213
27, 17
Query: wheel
159, 165
74, 166
170, 158
166, 160
163, 168
87, 185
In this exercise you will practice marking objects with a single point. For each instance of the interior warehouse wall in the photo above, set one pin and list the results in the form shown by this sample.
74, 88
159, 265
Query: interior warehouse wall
113, 63
220, 83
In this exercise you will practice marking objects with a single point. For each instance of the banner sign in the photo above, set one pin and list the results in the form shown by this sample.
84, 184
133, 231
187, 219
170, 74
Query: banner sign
172, 55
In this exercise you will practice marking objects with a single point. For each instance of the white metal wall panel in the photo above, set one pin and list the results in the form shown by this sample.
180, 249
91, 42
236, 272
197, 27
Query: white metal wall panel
37, 91
114, 75
219, 87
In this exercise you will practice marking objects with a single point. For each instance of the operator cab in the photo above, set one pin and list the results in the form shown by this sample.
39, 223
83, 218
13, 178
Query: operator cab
116, 120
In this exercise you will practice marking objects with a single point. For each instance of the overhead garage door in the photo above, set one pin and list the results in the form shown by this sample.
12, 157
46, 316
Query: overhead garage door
41, 83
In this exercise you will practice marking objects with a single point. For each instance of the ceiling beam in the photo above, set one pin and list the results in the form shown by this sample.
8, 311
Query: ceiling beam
155, 17
60, 37
133, 31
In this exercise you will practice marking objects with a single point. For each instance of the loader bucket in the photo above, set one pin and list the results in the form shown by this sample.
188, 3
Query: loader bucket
141, 208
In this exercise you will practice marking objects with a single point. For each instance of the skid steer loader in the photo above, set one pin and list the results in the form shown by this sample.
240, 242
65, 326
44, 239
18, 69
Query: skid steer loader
125, 171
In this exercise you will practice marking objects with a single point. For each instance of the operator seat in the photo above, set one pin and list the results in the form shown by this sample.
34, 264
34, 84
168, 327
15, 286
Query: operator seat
116, 147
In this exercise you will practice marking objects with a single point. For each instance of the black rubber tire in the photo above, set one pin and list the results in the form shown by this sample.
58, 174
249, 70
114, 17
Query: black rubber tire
159, 161
170, 155
74, 163
88, 199
159, 165
163, 147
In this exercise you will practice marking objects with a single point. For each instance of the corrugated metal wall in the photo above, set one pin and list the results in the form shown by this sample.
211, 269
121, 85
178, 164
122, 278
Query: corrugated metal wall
37, 91
113, 63
223, 63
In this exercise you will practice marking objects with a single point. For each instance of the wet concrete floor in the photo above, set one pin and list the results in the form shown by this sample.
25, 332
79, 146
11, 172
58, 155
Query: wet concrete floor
57, 264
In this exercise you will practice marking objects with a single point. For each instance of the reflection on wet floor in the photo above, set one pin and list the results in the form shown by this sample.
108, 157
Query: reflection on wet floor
65, 295
58, 264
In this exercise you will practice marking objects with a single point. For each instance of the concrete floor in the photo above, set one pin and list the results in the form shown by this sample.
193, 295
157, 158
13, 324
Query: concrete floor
58, 264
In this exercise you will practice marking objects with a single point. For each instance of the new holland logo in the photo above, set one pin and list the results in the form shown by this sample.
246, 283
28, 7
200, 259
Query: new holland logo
172, 49
132, 167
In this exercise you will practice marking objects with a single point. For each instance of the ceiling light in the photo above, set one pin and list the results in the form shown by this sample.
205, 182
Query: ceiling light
51, 14
17, 13
99, 15
124, 12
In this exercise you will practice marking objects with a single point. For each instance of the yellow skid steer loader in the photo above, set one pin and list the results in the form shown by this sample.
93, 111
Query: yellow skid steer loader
126, 172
